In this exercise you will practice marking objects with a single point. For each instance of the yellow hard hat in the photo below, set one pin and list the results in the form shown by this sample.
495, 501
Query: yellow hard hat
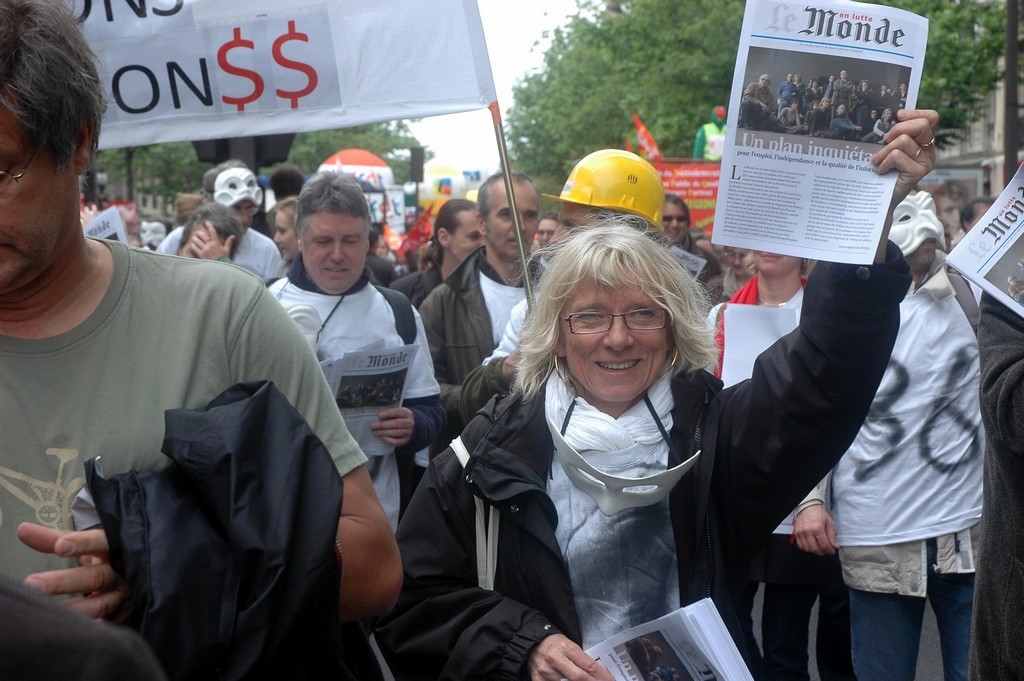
617, 180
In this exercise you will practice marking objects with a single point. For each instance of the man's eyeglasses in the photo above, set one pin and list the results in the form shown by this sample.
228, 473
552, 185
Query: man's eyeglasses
248, 210
645, 319
8, 180
676, 218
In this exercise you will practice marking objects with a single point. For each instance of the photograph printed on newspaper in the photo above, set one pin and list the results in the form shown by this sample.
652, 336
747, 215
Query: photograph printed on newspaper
363, 383
991, 255
816, 87
688, 644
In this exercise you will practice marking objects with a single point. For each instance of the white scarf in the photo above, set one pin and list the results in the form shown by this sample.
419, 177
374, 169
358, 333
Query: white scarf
622, 568
591, 430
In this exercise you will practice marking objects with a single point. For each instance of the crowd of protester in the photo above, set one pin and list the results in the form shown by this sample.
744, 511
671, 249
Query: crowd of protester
830, 107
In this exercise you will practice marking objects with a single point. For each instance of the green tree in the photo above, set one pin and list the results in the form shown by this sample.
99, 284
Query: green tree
966, 38
654, 56
155, 169
672, 61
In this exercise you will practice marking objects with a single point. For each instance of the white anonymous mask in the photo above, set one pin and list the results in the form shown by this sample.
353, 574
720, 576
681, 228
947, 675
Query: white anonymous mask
236, 184
614, 493
151, 233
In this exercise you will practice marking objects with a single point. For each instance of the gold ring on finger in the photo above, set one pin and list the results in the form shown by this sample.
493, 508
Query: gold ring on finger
919, 150
928, 144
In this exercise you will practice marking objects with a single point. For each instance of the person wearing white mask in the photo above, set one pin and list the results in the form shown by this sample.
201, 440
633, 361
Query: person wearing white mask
151, 233
907, 497
237, 189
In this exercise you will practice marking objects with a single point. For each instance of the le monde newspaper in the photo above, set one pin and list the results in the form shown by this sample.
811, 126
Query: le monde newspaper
796, 175
992, 253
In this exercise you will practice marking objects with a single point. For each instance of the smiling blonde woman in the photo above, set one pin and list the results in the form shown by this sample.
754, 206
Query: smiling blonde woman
627, 481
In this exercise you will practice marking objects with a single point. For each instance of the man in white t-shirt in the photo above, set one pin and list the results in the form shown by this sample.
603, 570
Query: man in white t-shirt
330, 274
907, 496
466, 314
235, 187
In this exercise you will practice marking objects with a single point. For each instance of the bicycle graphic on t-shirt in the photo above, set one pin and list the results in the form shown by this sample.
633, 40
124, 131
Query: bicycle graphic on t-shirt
50, 501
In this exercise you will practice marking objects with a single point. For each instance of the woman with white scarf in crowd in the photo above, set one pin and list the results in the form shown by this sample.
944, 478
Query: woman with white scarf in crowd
618, 481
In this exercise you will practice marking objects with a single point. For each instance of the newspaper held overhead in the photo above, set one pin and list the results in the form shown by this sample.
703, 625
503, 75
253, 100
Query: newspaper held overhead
801, 182
991, 255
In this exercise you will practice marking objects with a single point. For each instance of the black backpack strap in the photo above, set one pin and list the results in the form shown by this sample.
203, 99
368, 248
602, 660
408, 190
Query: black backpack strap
966, 298
405, 321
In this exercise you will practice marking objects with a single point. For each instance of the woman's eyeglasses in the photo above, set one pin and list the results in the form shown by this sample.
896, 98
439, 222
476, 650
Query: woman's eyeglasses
645, 319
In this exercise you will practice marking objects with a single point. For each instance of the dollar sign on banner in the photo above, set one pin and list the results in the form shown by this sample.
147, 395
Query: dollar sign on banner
310, 72
257, 81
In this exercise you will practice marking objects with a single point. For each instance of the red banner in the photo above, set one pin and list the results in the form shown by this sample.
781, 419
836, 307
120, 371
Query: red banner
697, 184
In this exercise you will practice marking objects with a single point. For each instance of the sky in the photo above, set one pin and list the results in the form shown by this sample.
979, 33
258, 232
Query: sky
514, 33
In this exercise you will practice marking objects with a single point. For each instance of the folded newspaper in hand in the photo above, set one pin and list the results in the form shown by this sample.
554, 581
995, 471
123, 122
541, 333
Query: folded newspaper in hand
689, 643
364, 382
800, 182
991, 255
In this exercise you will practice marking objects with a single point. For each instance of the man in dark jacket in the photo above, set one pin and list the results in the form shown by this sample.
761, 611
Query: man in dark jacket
465, 316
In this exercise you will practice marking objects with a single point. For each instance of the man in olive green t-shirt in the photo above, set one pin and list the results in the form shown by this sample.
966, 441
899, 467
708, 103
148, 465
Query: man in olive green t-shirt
97, 340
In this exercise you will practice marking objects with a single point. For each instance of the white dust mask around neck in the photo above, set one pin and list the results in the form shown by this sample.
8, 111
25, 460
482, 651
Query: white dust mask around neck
612, 493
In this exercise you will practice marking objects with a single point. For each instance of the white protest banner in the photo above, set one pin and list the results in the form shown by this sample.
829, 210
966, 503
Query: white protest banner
179, 70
